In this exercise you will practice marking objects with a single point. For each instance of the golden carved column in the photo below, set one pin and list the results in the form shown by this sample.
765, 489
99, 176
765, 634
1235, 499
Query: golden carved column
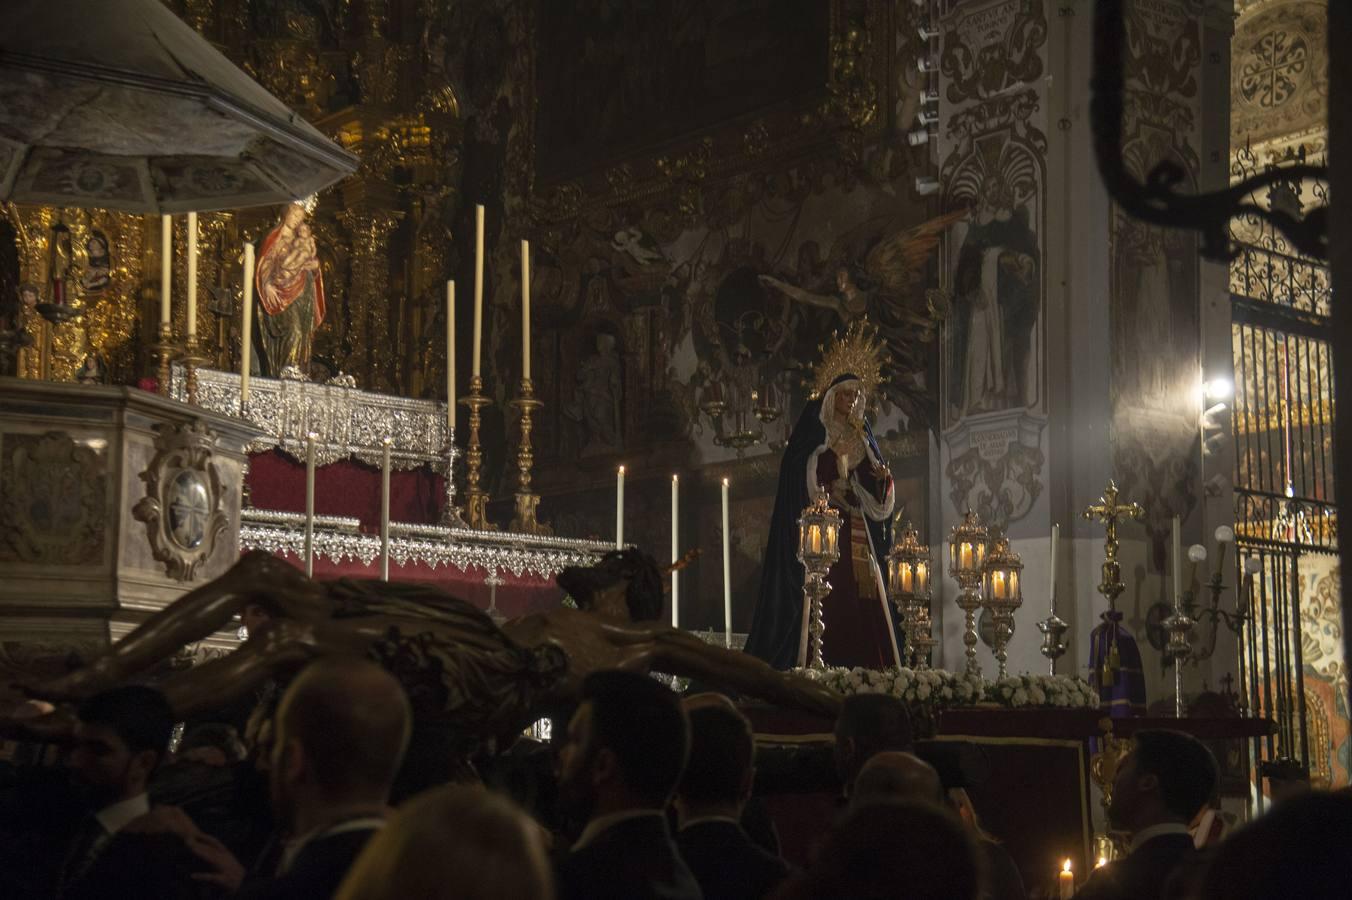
368, 293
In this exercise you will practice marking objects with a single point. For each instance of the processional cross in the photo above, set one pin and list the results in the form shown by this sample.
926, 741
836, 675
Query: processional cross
1108, 511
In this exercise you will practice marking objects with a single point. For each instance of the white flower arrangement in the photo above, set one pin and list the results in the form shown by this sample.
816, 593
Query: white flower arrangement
935, 689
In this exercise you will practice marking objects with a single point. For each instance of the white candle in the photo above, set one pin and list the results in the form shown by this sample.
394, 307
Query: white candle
1177, 567
246, 327
450, 359
1056, 539
310, 504
478, 284
385, 508
1065, 882
166, 266
525, 310
727, 573
619, 508
192, 274
675, 553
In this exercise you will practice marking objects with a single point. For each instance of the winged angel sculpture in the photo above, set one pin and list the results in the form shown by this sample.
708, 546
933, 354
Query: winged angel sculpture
888, 288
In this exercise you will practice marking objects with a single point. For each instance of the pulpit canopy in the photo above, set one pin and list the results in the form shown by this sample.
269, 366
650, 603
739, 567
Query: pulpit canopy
119, 104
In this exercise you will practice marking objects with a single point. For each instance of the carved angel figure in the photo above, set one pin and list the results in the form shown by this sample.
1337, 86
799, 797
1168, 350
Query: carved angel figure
887, 287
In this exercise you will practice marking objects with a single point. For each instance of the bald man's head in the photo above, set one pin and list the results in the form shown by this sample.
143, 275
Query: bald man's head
895, 776
350, 721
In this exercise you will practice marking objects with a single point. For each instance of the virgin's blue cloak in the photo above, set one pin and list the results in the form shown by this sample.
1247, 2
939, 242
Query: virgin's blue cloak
778, 619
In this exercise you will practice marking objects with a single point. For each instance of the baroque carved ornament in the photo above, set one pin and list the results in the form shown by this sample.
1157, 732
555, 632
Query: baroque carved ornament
182, 506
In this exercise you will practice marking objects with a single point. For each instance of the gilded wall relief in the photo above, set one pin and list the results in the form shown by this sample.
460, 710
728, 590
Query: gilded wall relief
184, 506
1279, 71
1154, 275
993, 165
53, 506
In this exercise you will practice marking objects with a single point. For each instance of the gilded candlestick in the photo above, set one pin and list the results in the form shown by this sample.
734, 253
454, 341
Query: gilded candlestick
165, 350
192, 357
967, 546
476, 506
524, 521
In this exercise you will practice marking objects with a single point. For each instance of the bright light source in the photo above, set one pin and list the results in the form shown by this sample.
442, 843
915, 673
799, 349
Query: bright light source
1218, 389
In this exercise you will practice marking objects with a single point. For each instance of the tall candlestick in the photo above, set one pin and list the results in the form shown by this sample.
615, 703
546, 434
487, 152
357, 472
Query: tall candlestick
1065, 882
619, 508
450, 359
478, 284
166, 267
1177, 566
385, 508
246, 327
675, 553
525, 309
192, 274
1056, 539
310, 504
727, 573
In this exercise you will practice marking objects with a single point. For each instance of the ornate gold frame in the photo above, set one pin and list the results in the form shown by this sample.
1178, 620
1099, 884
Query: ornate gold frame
182, 449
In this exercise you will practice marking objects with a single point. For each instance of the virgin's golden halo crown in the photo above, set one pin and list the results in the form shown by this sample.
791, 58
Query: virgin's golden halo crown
861, 352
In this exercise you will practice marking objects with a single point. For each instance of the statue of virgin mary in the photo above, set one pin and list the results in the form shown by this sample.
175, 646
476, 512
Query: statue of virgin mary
832, 449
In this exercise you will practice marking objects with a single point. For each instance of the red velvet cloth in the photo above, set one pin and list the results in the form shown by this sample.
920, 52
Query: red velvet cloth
345, 488
856, 631
517, 596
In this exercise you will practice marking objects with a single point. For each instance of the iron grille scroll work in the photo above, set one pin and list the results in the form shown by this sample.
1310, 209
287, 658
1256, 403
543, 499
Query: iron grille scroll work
1157, 200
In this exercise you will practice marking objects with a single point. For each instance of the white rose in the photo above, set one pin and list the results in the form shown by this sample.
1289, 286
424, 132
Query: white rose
1020, 697
923, 692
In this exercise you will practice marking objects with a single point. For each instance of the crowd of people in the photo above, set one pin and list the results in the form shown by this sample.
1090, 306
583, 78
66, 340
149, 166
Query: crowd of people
645, 794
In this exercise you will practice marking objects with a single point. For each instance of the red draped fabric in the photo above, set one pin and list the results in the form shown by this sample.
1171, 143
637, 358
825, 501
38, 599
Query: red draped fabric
345, 488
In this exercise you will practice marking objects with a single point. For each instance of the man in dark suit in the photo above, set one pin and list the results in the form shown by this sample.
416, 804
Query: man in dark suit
1161, 784
340, 734
620, 761
717, 782
120, 739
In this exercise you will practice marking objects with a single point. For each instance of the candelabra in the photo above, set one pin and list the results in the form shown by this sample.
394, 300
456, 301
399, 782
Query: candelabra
450, 513
966, 561
191, 357
908, 573
1179, 626
1002, 595
476, 506
748, 404
1053, 630
165, 350
525, 522
818, 550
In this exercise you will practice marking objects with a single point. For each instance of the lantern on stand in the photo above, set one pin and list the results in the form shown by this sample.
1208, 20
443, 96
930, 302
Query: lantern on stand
966, 563
818, 550
908, 582
1003, 594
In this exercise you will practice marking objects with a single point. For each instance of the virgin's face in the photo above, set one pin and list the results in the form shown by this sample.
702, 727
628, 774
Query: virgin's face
844, 401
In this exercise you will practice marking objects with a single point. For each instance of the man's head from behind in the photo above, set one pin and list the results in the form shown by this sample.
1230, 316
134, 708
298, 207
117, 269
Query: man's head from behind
893, 776
120, 738
341, 732
720, 772
625, 748
1168, 776
870, 724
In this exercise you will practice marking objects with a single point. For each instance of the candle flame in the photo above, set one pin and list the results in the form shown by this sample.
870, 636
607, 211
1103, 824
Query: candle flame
675, 478
725, 482
621, 470
1065, 866
1102, 861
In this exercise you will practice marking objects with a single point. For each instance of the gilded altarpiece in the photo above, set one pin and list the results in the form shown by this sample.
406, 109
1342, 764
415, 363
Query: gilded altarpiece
1154, 275
993, 150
